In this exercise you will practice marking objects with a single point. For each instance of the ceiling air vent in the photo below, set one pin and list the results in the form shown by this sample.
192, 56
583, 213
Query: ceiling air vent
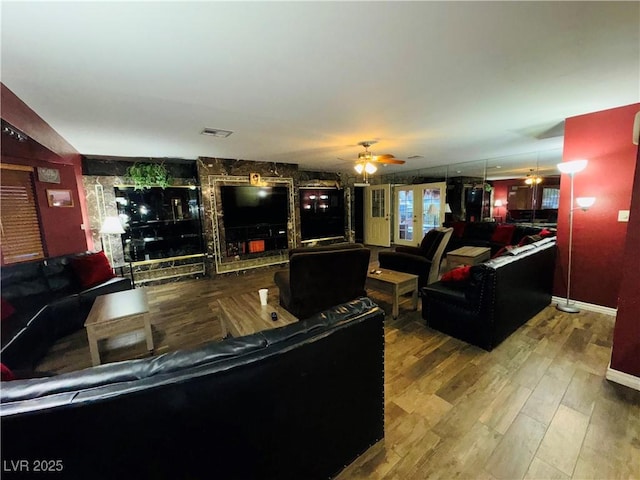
216, 132
415, 156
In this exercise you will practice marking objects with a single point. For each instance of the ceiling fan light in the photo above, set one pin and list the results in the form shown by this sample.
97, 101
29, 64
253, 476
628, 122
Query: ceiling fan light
358, 168
370, 168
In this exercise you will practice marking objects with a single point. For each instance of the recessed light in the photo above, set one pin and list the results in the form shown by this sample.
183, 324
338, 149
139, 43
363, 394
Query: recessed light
216, 132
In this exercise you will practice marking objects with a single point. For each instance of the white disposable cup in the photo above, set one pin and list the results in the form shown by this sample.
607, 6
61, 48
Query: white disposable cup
263, 292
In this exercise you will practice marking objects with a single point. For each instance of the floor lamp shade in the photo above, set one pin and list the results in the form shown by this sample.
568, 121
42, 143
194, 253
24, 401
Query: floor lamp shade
110, 226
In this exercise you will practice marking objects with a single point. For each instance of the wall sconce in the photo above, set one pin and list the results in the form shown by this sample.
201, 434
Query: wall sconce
585, 202
447, 208
571, 168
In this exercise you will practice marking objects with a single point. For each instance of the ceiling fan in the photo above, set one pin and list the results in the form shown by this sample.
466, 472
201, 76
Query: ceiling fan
367, 160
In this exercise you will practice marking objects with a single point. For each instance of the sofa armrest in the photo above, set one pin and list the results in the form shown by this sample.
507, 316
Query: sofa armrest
281, 279
404, 262
442, 292
113, 285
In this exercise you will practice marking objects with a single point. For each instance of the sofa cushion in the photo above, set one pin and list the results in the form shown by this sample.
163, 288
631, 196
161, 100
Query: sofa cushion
92, 269
503, 234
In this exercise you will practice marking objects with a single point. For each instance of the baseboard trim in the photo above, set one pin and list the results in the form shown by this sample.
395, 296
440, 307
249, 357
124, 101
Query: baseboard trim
622, 378
592, 307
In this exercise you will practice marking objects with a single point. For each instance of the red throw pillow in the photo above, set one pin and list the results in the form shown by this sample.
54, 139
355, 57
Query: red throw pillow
503, 234
5, 373
6, 309
544, 233
92, 269
458, 274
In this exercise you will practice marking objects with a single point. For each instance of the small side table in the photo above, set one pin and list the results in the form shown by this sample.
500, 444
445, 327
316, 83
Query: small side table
396, 284
467, 256
116, 313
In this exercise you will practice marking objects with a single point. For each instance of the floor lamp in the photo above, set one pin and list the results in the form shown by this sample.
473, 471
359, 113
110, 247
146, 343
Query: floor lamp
110, 226
571, 168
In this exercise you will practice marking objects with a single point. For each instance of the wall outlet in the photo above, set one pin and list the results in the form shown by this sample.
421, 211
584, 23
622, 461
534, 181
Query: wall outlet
82, 226
623, 215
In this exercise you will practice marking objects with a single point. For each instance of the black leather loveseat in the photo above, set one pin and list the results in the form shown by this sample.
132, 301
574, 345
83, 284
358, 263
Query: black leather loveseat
498, 297
297, 402
319, 277
48, 302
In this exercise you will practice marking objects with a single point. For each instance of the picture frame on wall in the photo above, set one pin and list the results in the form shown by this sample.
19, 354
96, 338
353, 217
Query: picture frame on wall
48, 175
60, 198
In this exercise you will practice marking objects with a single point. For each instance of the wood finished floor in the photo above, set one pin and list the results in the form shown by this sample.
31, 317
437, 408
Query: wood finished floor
538, 406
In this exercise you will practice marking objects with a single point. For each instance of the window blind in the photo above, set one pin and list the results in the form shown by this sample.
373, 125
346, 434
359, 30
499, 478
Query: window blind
20, 239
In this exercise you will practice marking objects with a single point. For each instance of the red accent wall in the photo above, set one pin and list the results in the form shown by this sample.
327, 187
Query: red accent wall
625, 356
46, 148
605, 140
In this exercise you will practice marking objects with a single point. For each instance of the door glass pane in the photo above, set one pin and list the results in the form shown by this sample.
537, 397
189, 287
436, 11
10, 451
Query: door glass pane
405, 214
377, 203
430, 209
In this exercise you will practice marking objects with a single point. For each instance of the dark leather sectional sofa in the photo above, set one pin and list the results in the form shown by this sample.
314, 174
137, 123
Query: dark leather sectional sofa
499, 296
297, 402
49, 303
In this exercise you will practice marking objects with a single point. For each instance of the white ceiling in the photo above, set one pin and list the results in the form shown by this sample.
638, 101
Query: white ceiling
304, 82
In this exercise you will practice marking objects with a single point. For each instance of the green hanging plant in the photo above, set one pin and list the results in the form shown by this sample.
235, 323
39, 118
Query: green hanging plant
146, 175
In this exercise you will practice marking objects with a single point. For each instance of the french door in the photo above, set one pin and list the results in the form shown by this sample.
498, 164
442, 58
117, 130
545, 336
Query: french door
419, 208
377, 226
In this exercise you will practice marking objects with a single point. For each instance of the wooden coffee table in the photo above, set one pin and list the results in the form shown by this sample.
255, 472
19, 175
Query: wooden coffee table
467, 256
396, 284
117, 313
243, 315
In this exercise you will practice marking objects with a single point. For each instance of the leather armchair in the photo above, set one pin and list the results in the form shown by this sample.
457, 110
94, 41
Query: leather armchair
423, 261
320, 278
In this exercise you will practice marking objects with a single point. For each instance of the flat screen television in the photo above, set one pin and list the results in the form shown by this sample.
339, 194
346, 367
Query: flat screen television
322, 213
247, 205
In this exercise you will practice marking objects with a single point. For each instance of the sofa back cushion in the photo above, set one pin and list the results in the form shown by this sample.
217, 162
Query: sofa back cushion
431, 242
321, 279
479, 230
326, 248
59, 275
